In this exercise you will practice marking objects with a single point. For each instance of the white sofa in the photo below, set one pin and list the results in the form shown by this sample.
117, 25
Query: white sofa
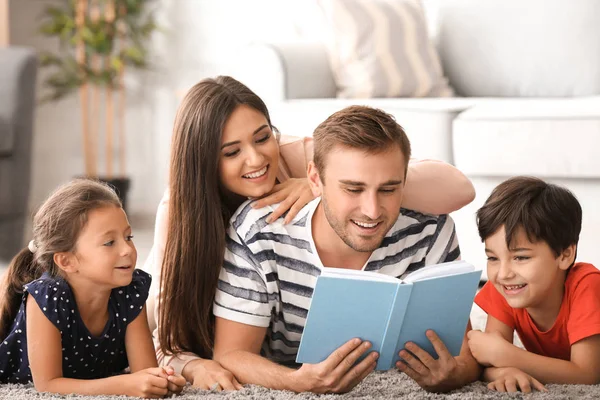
528, 74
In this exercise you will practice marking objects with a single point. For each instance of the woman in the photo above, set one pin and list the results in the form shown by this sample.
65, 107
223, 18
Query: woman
225, 150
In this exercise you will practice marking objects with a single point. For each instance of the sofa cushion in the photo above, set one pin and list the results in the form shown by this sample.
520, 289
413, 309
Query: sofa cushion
380, 48
427, 121
516, 48
550, 138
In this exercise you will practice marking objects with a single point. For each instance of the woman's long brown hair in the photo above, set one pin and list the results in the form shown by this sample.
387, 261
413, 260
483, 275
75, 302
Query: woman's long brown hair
198, 215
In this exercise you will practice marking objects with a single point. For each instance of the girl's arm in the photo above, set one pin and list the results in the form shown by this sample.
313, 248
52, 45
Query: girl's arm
435, 187
45, 359
138, 344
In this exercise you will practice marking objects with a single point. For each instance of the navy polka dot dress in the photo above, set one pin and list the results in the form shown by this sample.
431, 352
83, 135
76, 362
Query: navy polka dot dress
84, 356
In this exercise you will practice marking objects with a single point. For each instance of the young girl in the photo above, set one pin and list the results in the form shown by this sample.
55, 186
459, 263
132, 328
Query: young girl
72, 310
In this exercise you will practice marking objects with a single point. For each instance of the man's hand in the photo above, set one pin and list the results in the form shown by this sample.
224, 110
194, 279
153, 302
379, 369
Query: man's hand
513, 379
338, 373
431, 374
488, 349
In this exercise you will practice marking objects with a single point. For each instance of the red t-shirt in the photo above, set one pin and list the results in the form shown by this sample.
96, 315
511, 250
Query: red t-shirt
578, 318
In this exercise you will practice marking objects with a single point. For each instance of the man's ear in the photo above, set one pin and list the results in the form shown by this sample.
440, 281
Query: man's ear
314, 179
66, 261
567, 257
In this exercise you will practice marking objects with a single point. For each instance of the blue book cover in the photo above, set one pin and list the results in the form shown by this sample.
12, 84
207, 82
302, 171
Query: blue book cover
389, 312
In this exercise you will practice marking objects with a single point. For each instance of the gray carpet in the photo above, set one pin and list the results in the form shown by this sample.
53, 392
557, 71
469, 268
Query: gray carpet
387, 385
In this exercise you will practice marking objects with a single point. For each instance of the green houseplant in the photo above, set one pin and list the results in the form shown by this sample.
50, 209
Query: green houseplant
99, 41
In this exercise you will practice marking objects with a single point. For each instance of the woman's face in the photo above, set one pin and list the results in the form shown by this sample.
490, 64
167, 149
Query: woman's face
249, 158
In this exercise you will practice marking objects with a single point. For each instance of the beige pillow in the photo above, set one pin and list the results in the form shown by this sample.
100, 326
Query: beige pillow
381, 48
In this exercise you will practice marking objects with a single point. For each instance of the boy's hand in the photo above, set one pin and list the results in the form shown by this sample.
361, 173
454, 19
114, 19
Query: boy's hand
488, 348
176, 381
513, 380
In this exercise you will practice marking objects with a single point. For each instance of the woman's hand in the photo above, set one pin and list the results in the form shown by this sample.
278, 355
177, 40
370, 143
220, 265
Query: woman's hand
292, 195
210, 375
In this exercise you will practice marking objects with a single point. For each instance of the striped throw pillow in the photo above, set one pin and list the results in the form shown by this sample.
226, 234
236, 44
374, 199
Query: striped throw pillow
381, 48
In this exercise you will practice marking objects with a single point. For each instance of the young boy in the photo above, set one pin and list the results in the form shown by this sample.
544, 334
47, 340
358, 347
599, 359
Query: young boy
531, 229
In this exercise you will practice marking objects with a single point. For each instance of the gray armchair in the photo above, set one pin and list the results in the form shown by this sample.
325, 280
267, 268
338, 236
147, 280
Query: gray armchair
18, 69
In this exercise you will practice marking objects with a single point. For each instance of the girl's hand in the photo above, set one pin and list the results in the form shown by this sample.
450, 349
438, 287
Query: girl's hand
292, 195
176, 381
210, 375
488, 348
514, 380
148, 383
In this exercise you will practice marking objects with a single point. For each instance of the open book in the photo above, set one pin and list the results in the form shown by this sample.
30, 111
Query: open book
389, 312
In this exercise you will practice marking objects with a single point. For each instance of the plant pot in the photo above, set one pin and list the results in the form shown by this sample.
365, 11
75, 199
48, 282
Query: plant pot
121, 186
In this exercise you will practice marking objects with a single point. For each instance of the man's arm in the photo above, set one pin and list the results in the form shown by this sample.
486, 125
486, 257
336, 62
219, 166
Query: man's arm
237, 348
444, 374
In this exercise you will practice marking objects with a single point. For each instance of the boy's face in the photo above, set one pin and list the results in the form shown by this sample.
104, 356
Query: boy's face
361, 194
528, 274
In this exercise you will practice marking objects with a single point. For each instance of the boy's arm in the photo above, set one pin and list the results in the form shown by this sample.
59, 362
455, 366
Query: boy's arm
583, 368
237, 348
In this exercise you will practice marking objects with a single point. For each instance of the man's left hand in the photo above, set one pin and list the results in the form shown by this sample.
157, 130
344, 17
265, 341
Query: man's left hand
431, 374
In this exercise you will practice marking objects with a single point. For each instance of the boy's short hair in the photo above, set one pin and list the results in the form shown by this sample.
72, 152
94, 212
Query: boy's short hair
359, 127
545, 212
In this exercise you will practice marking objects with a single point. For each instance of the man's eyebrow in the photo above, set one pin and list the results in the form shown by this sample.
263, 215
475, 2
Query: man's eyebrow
260, 128
357, 183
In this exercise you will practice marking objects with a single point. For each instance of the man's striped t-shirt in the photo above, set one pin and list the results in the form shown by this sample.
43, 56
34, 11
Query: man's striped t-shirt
270, 270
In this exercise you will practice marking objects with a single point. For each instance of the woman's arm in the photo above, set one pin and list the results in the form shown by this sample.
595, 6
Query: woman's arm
44, 347
435, 187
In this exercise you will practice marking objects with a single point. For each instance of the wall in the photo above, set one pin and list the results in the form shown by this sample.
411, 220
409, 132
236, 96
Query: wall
199, 39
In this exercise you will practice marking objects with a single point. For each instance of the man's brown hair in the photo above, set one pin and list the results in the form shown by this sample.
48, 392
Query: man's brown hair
545, 211
359, 127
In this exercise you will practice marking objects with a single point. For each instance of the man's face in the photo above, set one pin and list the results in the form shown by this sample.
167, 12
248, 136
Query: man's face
361, 194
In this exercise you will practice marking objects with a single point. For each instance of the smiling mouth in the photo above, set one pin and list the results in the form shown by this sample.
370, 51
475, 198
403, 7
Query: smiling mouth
513, 290
256, 174
366, 225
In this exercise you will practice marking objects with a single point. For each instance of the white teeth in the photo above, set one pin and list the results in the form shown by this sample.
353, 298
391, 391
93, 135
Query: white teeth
365, 225
514, 287
256, 174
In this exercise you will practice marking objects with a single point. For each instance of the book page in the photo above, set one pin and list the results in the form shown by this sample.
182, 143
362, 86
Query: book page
357, 275
439, 270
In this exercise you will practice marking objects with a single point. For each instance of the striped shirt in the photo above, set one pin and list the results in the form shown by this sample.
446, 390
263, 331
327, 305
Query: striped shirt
270, 270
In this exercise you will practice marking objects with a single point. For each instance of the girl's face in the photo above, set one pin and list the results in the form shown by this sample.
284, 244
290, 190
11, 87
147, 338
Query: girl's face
249, 158
105, 253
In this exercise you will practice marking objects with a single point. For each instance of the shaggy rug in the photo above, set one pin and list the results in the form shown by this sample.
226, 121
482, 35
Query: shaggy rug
386, 385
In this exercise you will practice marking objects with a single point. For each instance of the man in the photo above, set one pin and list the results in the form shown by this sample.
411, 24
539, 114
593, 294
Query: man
270, 271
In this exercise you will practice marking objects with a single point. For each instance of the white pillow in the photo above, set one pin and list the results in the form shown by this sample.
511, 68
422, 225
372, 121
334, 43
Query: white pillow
381, 48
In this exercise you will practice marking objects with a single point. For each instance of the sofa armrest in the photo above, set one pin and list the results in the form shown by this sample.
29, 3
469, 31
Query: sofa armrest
17, 87
285, 71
